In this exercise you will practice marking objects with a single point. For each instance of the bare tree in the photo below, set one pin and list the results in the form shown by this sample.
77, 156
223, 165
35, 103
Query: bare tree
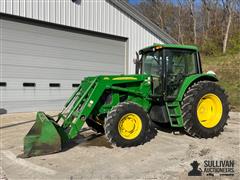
214, 26
194, 21
228, 8
179, 22
158, 7
207, 7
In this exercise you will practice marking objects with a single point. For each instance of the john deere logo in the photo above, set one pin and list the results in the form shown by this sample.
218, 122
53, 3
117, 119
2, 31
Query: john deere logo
195, 170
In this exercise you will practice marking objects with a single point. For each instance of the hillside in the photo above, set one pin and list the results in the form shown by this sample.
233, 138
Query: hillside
227, 69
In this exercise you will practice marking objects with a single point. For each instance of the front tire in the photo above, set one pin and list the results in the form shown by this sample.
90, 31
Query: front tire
205, 110
127, 124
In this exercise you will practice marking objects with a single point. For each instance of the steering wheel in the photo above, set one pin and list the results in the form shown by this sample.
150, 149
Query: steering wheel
175, 79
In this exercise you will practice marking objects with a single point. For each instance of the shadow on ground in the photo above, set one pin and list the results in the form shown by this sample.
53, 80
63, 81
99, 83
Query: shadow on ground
167, 128
88, 138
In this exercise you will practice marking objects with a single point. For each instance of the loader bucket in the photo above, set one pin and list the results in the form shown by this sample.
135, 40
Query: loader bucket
45, 137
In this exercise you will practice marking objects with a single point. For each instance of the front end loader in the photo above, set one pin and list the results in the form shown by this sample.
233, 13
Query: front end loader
168, 87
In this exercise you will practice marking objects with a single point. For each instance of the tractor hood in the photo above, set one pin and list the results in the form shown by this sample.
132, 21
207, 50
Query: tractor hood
108, 81
115, 79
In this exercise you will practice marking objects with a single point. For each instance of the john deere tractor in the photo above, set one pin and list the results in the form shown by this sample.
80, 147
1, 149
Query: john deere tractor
168, 87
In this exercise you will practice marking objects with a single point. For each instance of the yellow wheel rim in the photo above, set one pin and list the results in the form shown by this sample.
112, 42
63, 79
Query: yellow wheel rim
209, 110
130, 126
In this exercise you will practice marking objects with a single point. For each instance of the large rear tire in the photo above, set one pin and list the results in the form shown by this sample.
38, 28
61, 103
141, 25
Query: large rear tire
205, 109
127, 124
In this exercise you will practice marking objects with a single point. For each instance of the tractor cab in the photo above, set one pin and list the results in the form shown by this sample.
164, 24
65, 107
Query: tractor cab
168, 66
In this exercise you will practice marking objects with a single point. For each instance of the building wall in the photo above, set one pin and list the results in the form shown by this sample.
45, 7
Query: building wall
41, 55
95, 15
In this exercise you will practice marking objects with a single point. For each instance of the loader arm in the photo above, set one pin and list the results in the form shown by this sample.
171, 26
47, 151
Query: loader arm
82, 107
85, 98
49, 135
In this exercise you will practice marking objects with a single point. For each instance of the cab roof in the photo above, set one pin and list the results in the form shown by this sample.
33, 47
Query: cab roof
175, 46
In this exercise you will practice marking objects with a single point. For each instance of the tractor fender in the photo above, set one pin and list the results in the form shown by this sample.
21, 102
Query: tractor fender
190, 80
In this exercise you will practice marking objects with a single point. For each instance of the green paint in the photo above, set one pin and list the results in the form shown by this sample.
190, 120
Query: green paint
174, 113
135, 87
174, 107
47, 136
190, 80
175, 46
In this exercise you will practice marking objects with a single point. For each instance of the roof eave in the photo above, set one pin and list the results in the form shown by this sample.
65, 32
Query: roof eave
143, 20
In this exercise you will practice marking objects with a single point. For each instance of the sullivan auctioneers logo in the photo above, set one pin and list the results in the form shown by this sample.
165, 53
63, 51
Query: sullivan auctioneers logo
212, 168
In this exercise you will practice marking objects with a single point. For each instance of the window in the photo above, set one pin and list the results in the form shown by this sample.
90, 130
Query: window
181, 61
179, 64
75, 85
152, 62
3, 84
54, 84
29, 84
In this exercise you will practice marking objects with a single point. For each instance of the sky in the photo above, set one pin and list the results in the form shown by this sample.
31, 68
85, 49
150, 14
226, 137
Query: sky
137, 1
134, 1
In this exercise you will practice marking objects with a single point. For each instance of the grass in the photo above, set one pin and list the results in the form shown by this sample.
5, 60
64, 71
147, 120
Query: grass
227, 69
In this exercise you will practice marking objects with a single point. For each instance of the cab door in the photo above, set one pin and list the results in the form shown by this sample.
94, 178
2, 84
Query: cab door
153, 65
179, 63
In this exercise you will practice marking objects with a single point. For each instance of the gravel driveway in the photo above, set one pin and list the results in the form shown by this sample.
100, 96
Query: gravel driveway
167, 156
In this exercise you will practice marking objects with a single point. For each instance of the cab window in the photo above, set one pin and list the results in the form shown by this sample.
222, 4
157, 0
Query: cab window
181, 61
152, 62
179, 64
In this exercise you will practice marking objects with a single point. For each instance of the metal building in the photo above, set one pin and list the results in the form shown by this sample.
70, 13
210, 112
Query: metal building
48, 46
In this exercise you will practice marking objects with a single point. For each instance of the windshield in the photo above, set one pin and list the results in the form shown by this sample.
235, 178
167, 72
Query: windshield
152, 62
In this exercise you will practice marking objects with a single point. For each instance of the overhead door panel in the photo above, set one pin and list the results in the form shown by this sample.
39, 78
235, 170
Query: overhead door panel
33, 53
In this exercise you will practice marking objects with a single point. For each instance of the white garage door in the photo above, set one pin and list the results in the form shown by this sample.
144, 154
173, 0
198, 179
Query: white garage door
40, 66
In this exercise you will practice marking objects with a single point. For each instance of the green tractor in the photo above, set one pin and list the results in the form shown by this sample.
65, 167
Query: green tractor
168, 87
